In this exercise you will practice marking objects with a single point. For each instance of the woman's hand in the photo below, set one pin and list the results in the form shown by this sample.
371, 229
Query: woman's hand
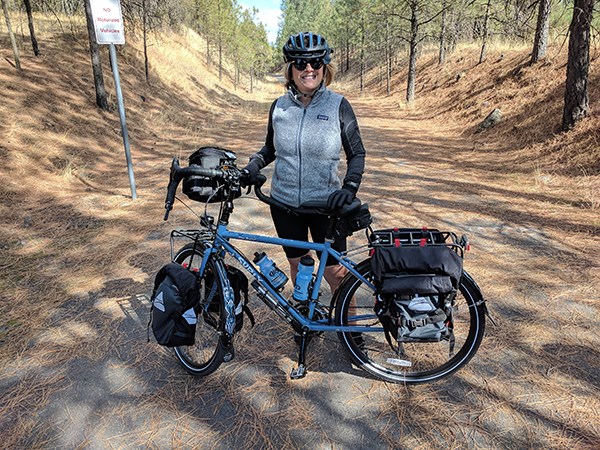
341, 197
249, 174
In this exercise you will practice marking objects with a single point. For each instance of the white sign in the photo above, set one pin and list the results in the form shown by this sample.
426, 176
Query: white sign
108, 21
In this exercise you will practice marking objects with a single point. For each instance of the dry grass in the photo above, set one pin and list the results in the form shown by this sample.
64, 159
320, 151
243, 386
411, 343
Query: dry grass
78, 257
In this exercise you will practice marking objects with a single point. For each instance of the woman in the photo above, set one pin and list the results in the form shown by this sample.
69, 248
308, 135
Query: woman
308, 127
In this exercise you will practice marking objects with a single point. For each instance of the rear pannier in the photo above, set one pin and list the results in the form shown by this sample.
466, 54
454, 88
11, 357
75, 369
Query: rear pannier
417, 273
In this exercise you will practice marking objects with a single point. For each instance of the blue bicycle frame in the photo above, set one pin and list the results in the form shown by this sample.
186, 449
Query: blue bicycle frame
273, 298
360, 333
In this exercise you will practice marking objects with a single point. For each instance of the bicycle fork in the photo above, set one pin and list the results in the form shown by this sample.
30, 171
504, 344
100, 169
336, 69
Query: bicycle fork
300, 371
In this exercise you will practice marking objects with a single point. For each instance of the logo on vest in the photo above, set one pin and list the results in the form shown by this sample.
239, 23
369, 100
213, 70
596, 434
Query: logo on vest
322, 117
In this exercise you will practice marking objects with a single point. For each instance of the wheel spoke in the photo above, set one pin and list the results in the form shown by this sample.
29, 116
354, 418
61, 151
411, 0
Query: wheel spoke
410, 362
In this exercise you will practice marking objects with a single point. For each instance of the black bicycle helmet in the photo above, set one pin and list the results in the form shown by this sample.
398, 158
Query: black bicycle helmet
307, 45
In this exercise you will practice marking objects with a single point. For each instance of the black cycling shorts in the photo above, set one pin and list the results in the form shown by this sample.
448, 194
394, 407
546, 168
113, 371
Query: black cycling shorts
289, 226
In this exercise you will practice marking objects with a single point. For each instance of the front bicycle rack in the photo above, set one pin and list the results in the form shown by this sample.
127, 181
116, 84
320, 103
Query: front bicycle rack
195, 235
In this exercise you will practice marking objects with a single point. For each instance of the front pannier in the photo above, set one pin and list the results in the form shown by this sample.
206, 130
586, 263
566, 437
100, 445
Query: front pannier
416, 272
173, 313
204, 189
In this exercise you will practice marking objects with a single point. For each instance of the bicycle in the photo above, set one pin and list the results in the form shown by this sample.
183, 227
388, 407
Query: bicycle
350, 312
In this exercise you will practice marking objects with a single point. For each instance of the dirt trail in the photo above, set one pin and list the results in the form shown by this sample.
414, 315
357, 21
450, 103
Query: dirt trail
533, 384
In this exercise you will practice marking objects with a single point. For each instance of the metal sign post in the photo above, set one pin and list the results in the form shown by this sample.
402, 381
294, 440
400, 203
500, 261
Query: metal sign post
108, 24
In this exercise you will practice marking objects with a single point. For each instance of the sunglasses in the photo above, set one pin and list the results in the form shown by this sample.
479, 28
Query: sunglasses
316, 63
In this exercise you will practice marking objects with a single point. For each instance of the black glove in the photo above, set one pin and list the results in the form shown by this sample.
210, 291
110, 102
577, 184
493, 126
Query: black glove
249, 174
341, 197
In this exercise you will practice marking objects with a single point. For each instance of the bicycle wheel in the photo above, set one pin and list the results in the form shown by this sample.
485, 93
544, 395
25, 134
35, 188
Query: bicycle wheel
429, 361
208, 351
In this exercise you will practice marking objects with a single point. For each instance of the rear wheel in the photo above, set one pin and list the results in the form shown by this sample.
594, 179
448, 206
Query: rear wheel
428, 361
208, 351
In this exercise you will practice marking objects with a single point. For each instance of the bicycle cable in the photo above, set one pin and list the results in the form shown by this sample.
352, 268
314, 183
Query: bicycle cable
185, 204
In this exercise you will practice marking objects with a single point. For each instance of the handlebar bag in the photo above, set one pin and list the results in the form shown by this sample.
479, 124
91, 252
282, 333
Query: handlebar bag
358, 220
417, 284
206, 189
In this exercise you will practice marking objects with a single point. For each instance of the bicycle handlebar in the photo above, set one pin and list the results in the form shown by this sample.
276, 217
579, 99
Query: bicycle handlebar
312, 207
234, 174
260, 180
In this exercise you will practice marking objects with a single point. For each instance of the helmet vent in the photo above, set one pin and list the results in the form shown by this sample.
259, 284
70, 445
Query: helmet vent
307, 45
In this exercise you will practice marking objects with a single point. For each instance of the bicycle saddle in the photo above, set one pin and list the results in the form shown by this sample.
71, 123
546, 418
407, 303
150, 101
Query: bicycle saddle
320, 207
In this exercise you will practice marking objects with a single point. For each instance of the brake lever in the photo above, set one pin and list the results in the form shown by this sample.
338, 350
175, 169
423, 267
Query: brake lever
171, 188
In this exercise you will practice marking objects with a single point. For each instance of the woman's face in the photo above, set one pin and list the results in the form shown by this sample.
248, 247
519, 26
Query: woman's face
307, 80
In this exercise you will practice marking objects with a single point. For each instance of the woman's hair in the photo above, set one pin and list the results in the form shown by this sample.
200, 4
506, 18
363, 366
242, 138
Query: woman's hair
329, 72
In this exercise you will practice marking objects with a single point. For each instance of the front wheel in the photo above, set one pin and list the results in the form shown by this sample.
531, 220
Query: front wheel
428, 361
209, 350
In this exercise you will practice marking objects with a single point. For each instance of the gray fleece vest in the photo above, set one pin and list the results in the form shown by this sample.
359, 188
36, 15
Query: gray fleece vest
307, 144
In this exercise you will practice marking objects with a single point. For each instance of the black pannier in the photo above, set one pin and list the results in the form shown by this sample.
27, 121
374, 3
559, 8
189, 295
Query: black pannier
204, 189
174, 299
416, 272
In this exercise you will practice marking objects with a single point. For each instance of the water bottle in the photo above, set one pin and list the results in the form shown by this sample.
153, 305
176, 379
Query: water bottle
303, 278
268, 268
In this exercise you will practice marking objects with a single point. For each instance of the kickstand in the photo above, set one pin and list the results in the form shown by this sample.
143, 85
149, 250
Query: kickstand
300, 371
401, 352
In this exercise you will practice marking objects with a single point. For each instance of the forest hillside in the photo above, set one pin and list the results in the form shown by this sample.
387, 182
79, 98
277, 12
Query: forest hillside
461, 92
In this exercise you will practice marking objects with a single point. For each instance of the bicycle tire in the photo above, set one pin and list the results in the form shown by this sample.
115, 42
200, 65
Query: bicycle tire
430, 361
208, 351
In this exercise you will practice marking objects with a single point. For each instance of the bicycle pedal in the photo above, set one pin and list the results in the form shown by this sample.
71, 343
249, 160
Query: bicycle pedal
226, 353
299, 372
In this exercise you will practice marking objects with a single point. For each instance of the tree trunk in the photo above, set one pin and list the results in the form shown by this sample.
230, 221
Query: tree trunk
220, 59
145, 31
34, 44
12, 36
207, 51
412, 58
220, 42
486, 21
96, 63
347, 47
454, 34
578, 64
442, 54
389, 73
540, 43
388, 58
362, 56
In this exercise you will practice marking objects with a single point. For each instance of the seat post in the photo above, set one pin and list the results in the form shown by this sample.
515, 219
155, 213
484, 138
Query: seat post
333, 220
